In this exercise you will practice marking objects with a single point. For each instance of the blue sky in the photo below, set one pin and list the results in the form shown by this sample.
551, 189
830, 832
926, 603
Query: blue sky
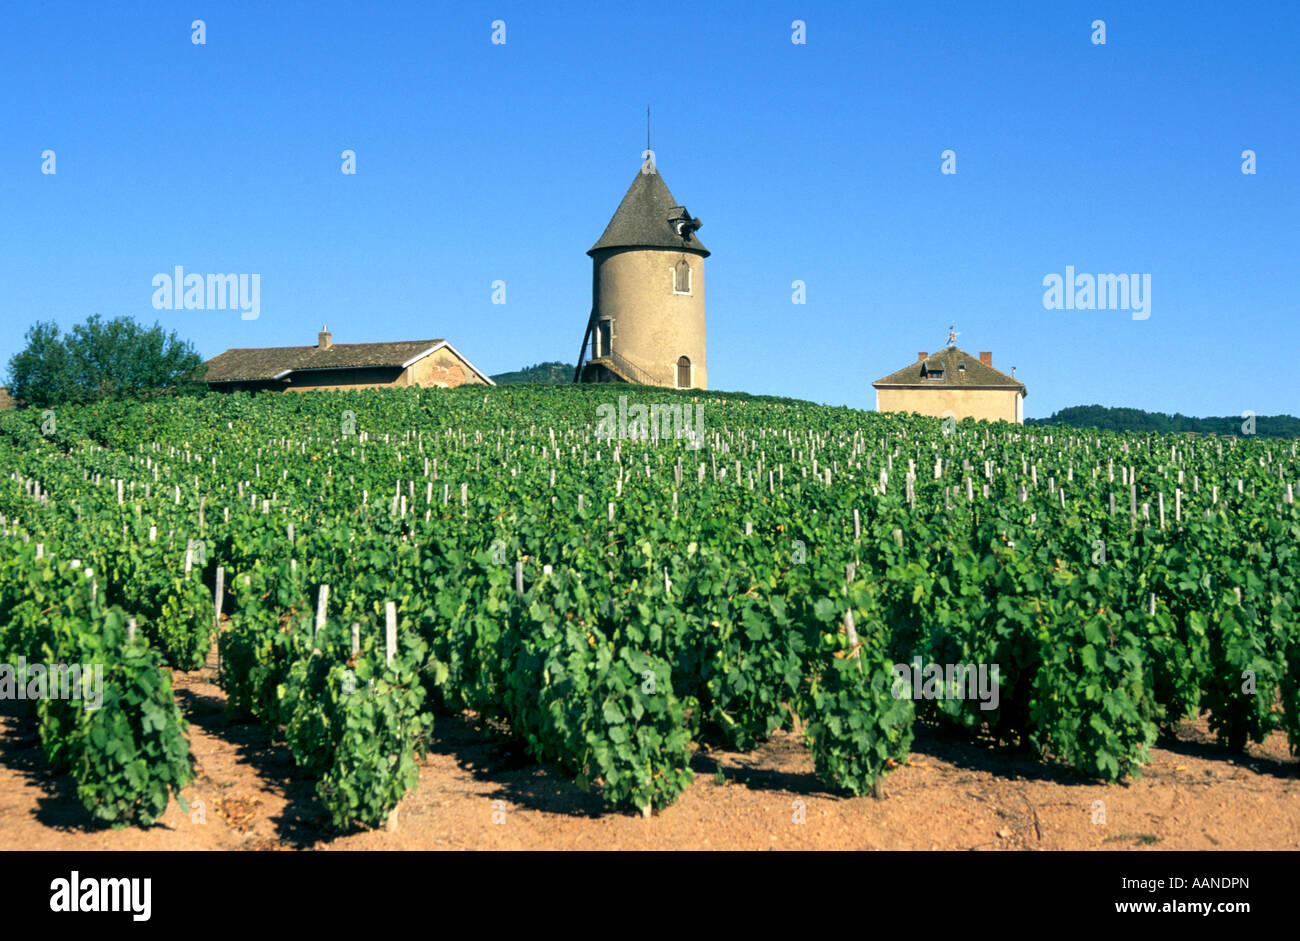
817, 162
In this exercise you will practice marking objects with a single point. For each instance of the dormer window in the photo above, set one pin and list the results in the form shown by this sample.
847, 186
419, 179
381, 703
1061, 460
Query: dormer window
682, 277
932, 373
682, 223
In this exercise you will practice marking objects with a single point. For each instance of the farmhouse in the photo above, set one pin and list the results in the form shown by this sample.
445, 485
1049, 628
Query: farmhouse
343, 366
953, 382
647, 314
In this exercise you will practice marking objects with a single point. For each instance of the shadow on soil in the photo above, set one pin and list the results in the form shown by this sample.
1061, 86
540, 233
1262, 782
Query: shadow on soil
488, 755
1012, 764
1194, 745
58, 806
304, 820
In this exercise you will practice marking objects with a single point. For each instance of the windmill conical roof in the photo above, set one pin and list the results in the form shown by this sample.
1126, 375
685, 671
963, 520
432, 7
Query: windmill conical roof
641, 220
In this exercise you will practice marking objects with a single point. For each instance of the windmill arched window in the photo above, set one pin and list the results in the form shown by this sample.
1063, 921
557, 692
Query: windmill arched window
683, 373
682, 277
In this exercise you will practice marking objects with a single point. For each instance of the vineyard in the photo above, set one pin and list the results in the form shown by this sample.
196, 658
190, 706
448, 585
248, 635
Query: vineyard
366, 562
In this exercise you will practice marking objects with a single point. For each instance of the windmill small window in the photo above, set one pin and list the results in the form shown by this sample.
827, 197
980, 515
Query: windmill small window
683, 373
682, 277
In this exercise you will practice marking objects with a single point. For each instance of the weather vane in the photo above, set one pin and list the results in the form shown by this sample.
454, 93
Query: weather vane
952, 335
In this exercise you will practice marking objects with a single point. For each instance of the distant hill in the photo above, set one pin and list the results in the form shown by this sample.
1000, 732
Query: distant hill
549, 373
1135, 419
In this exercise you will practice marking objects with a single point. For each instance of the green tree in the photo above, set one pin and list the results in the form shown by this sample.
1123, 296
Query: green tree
40, 374
101, 359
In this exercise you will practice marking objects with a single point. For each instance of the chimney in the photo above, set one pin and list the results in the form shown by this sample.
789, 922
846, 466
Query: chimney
921, 355
986, 359
323, 339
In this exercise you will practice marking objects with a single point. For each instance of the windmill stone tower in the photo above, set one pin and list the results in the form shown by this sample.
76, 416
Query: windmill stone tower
647, 290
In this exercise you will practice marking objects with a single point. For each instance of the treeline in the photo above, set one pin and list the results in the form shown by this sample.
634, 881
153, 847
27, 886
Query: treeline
99, 360
1135, 419
542, 372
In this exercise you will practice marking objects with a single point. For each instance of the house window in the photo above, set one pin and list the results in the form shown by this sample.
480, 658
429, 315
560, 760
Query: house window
682, 278
603, 340
683, 373
932, 373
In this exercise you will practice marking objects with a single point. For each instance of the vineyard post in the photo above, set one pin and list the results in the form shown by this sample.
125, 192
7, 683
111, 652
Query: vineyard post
390, 624
322, 599
218, 597
390, 644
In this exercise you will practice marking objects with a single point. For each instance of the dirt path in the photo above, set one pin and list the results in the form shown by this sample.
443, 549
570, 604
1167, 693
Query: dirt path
478, 791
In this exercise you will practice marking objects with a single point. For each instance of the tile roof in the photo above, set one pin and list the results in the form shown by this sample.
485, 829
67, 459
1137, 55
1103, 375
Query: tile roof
976, 375
641, 220
271, 362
